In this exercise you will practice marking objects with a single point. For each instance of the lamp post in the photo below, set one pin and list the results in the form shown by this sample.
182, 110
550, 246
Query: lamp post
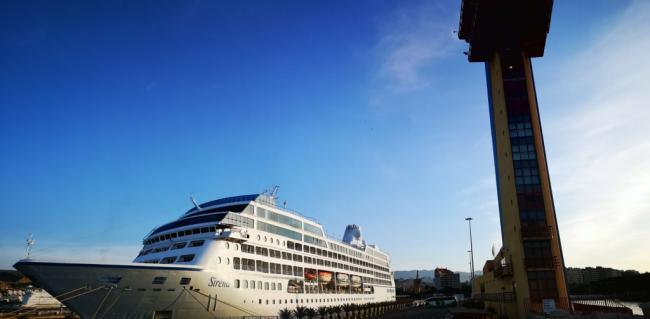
471, 247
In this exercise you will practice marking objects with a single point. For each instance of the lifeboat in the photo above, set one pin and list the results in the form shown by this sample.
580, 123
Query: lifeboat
310, 276
324, 276
356, 281
342, 280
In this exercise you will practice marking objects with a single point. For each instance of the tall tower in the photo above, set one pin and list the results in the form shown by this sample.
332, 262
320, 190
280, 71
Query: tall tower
529, 269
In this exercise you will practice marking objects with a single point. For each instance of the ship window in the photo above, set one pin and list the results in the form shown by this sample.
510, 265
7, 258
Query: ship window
186, 258
280, 287
236, 283
159, 280
185, 281
235, 263
252, 284
290, 244
195, 231
196, 243
259, 285
260, 301
168, 260
111, 279
246, 284
298, 247
272, 286
266, 286
205, 229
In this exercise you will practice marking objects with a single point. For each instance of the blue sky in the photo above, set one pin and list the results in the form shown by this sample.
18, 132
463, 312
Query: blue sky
112, 114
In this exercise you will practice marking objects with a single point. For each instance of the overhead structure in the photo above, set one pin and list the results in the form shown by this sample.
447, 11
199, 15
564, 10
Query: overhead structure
528, 271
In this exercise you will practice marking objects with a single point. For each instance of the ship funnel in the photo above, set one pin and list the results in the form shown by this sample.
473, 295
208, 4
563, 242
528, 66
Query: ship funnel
353, 236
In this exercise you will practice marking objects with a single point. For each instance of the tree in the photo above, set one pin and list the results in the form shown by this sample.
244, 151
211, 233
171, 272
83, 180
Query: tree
322, 311
310, 313
285, 313
334, 310
300, 312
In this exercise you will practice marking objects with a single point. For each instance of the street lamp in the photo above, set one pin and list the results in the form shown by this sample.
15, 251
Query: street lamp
471, 247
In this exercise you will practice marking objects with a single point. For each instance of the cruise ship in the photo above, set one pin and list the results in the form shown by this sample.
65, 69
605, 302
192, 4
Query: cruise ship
241, 256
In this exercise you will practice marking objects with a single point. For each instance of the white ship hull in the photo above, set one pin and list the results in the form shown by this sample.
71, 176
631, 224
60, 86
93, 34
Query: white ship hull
84, 289
234, 257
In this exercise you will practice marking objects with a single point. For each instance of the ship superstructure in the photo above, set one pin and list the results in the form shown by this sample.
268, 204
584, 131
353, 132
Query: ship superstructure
231, 257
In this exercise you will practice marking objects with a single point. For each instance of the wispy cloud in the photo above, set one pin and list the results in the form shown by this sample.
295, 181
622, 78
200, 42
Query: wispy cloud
411, 41
599, 152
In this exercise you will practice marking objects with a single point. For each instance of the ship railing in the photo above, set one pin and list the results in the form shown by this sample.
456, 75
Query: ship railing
231, 233
284, 208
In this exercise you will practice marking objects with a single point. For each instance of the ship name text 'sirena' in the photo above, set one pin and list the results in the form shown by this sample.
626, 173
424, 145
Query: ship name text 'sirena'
235, 256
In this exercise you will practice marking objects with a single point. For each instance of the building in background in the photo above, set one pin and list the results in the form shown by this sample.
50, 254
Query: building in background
446, 279
574, 276
581, 276
417, 284
528, 272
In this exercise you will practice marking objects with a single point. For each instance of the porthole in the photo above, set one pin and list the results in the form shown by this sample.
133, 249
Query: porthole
277, 241
236, 246
227, 260
265, 239
258, 237
218, 260
227, 245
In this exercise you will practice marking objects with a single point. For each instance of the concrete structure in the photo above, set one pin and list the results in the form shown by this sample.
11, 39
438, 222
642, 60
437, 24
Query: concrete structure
529, 268
445, 278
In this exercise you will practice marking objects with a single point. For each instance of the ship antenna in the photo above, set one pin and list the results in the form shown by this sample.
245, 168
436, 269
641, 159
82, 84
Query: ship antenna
30, 244
274, 192
195, 204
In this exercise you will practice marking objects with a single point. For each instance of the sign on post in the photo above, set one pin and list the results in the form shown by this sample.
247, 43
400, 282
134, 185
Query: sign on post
549, 305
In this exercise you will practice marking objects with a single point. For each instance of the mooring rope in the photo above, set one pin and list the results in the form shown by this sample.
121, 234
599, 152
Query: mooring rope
110, 306
102, 303
203, 306
231, 305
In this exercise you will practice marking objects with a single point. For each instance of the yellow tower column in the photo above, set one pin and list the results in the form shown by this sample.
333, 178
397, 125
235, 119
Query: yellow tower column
505, 35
